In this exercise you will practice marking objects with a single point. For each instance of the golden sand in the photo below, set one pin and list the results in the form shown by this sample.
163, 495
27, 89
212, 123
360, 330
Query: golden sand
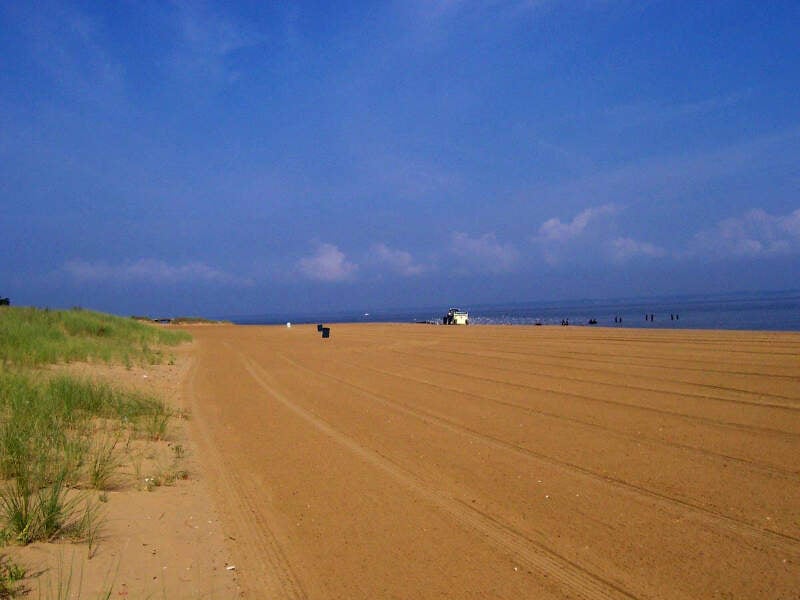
413, 461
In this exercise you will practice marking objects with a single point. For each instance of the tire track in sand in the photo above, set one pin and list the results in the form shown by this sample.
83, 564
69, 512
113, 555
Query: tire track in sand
769, 469
583, 358
267, 570
705, 515
793, 407
608, 401
555, 568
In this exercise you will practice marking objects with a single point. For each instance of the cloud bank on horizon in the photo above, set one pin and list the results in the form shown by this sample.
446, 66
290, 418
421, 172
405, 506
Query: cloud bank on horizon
236, 158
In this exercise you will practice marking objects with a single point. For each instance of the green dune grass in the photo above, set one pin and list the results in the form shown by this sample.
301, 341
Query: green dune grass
33, 337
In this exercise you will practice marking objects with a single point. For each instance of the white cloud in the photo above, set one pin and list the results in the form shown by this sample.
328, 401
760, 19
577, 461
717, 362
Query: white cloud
754, 234
398, 261
625, 248
150, 270
583, 238
554, 230
484, 253
328, 263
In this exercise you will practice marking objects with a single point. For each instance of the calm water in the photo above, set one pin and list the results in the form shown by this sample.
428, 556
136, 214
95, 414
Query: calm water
777, 311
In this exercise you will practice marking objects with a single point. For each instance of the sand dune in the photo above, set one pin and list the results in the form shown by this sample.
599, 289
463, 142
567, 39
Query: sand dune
411, 461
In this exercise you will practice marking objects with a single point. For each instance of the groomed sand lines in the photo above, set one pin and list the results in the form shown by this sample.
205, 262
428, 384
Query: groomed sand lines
505, 462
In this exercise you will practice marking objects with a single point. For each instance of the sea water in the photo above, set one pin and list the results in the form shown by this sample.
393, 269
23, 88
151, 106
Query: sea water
773, 311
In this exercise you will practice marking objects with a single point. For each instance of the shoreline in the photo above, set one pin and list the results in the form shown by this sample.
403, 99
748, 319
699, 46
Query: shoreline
778, 311
582, 326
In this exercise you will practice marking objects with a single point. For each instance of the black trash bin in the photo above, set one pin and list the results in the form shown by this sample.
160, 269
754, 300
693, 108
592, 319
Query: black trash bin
326, 332
319, 326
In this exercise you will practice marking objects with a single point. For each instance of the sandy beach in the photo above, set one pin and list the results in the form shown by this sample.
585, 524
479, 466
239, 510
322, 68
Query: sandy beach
412, 461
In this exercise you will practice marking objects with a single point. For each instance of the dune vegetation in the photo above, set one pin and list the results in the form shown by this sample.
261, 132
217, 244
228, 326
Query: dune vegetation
32, 337
62, 436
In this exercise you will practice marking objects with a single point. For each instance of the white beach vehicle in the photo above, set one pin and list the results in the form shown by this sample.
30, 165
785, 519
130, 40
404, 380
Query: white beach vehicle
456, 316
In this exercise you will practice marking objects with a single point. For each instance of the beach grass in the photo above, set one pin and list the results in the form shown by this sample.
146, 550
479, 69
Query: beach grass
50, 446
59, 434
34, 337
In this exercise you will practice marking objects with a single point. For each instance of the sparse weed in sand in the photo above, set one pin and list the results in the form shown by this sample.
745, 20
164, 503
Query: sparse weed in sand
73, 457
178, 451
52, 511
32, 512
154, 425
89, 527
136, 464
178, 454
169, 475
11, 576
156, 465
104, 462
50, 443
50, 424
17, 509
63, 585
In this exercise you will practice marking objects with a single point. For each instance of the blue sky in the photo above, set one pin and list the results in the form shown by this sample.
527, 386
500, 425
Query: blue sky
244, 158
